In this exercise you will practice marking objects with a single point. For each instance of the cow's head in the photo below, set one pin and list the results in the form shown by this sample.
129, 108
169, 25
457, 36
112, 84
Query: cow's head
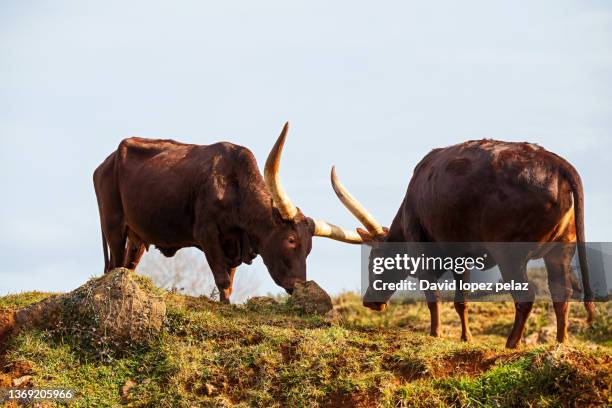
372, 235
288, 243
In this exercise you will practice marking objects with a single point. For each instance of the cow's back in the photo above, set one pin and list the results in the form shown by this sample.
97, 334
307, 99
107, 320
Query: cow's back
488, 190
162, 185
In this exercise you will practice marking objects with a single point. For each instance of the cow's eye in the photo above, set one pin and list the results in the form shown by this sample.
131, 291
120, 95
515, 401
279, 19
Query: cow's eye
291, 240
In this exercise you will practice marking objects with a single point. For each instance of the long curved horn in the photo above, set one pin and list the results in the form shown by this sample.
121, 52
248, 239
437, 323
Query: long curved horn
325, 229
281, 199
355, 206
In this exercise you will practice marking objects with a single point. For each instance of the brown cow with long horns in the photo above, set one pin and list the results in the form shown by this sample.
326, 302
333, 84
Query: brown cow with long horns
489, 191
175, 195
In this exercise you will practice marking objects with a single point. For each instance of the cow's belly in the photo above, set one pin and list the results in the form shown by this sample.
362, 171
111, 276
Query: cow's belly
158, 214
161, 229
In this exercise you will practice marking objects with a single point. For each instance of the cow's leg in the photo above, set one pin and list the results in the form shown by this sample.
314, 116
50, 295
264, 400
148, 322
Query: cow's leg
116, 237
224, 281
226, 291
516, 269
559, 282
433, 302
461, 306
222, 273
434, 312
133, 253
521, 313
211, 244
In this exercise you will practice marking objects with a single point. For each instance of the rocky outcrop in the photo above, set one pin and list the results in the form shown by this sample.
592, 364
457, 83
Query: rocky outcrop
117, 308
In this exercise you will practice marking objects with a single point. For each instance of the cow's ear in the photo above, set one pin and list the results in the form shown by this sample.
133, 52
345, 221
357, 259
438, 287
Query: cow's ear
278, 216
311, 225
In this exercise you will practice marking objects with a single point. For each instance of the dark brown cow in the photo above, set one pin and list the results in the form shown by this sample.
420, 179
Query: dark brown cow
493, 191
175, 195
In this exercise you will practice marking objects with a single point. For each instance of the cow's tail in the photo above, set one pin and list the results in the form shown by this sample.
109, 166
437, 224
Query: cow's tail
576, 183
105, 250
96, 183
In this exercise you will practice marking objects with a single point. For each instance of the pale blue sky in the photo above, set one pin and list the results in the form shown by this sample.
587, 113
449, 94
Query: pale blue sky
370, 87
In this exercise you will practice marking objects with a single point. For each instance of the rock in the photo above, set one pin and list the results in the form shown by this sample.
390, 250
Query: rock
309, 297
22, 381
115, 309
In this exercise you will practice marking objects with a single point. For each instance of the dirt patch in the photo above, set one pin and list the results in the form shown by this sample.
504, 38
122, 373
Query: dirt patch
575, 376
561, 355
252, 339
6, 381
464, 363
19, 368
12, 371
408, 373
461, 363
7, 324
9, 371
352, 400
289, 351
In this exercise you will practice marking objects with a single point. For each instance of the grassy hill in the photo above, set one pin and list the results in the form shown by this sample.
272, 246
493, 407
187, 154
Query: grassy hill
268, 354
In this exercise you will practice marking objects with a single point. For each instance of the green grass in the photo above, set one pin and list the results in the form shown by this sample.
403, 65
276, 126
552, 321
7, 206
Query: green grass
273, 355
22, 299
544, 376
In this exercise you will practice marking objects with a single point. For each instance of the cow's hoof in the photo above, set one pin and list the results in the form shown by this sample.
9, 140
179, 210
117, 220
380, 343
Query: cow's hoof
377, 306
512, 344
467, 338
